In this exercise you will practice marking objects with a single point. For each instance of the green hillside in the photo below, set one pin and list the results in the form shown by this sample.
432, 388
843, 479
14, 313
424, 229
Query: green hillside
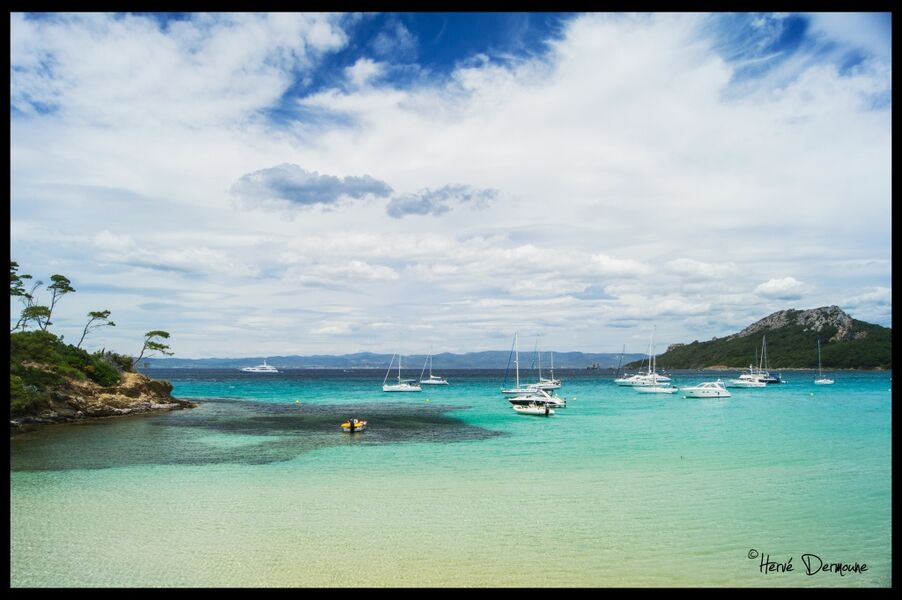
789, 346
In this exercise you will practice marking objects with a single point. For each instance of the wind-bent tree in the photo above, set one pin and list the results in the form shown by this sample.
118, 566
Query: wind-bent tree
59, 288
38, 314
16, 284
154, 346
99, 318
30, 310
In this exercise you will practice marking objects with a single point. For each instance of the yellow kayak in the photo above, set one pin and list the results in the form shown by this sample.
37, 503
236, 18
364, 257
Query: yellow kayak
353, 425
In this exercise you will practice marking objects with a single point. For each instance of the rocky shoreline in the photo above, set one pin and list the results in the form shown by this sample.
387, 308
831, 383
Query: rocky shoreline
79, 400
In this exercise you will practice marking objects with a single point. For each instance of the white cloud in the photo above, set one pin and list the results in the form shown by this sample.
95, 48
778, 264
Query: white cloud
696, 269
784, 288
627, 148
363, 71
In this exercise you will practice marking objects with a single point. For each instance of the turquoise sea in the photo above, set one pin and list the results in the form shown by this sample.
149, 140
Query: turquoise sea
449, 487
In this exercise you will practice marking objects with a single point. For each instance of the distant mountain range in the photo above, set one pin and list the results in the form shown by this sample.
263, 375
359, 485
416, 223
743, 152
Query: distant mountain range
492, 359
792, 337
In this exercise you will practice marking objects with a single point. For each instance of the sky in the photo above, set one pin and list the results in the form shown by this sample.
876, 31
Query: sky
273, 184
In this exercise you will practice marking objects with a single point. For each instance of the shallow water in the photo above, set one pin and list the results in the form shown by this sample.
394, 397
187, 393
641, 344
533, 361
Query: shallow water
259, 487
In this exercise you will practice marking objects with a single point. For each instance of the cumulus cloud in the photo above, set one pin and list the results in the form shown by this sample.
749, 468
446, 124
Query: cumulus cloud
363, 71
396, 42
879, 296
208, 68
785, 288
291, 183
621, 148
438, 202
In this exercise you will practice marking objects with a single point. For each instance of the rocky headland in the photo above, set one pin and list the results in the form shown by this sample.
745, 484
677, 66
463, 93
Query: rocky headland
75, 400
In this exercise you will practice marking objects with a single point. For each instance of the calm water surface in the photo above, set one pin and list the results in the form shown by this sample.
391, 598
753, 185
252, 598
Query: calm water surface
449, 487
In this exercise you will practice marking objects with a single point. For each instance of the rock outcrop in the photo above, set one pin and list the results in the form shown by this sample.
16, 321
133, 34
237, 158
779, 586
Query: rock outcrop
815, 319
76, 400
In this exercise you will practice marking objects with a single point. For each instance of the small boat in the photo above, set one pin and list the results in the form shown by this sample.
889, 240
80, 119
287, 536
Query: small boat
534, 408
403, 385
538, 396
433, 379
821, 380
708, 389
517, 390
264, 368
746, 383
655, 389
651, 378
353, 425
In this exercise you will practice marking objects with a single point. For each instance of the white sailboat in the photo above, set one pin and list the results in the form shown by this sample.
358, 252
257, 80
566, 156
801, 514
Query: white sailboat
821, 380
654, 383
433, 379
756, 377
545, 383
517, 390
403, 385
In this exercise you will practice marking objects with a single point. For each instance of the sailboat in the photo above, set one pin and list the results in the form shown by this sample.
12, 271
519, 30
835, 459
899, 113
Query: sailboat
653, 387
821, 380
545, 383
403, 385
433, 379
516, 390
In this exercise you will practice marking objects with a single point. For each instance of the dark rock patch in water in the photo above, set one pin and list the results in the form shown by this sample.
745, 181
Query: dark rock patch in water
225, 431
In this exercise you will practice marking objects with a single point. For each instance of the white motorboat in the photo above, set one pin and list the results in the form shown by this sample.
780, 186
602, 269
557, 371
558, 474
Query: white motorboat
543, 410
433, 379
538, 396
748, 382
708, 389
264, 368
821, 380
656, 389
403, 385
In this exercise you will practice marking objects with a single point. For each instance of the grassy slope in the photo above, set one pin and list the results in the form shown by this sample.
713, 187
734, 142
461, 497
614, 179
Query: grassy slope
788, 347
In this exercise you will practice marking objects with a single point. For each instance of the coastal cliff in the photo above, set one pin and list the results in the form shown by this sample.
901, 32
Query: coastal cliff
73, 400
53, 382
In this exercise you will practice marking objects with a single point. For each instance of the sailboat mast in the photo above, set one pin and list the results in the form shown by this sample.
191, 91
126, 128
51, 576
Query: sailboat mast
517, 358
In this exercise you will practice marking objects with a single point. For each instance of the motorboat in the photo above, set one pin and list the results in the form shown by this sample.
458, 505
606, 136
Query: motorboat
748, 382
264, 368
538, 396
655, 389
353, 425
403, 385
708, 389
534, 408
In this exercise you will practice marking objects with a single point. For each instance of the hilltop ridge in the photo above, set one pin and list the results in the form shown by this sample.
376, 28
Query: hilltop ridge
792, 336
